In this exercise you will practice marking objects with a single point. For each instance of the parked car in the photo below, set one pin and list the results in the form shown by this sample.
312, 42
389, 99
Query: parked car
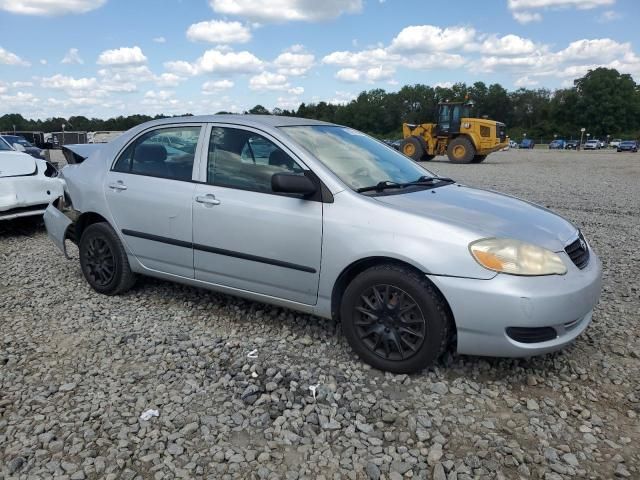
615, 142
557, 145
628, 146
591, 145
21, 144
513, 144
329, 221
27, 185
571, 145
527, 143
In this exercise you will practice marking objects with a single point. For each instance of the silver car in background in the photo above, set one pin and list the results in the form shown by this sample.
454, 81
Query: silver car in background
326, 220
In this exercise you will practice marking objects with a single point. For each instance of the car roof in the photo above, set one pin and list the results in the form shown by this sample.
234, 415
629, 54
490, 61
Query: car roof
246, 120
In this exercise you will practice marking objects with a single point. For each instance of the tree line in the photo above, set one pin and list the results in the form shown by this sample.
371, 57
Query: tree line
604, 102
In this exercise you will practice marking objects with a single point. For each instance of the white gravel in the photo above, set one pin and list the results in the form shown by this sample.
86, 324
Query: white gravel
78, 369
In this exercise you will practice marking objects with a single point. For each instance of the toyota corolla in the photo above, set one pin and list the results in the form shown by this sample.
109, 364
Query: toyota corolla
326, 220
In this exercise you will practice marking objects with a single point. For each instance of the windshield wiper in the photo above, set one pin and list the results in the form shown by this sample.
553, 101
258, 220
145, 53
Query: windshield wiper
380, 186
385, 184
426, 180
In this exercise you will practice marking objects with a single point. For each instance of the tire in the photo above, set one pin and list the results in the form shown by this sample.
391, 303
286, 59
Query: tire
413, 147
103, 260
372, 337
479, 158
461, 150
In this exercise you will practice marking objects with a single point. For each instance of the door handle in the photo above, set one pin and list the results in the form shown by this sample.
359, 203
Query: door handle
208, 199
118, 185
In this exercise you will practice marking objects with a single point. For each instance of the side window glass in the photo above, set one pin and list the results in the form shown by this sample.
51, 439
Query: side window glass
124, 162
245, 160
166, 153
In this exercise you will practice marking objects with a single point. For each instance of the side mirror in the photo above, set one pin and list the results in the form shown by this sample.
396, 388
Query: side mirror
19, 148
292, 183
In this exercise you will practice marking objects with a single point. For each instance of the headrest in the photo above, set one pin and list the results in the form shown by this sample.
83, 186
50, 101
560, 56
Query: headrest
150, 153
280, 159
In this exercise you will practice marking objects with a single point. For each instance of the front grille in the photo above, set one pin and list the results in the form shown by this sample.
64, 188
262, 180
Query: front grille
532, 334
30, 208
578, 252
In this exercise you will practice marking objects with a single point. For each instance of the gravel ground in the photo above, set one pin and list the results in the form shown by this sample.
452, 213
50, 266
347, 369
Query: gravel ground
77, 369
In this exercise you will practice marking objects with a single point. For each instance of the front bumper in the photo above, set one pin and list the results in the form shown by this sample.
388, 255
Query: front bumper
484, 309
25, 196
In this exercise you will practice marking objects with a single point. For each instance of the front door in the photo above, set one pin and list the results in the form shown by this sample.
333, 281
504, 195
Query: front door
150, 192
244, 235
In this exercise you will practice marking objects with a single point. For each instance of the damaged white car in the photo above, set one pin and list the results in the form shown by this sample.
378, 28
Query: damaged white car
27, 184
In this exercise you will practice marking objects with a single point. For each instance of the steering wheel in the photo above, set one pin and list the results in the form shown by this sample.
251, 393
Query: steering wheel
361, 172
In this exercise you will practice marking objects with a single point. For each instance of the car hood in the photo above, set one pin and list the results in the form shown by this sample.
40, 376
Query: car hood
488, 214
15, 164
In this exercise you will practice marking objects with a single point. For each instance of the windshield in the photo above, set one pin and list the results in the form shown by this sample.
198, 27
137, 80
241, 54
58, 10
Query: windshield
357, 159
4, 145
15, 139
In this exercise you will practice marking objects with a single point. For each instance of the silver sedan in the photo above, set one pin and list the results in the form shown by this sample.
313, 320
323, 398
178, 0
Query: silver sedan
323, 219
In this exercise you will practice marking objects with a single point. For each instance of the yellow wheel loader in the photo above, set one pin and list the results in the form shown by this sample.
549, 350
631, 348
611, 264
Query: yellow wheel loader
458, 136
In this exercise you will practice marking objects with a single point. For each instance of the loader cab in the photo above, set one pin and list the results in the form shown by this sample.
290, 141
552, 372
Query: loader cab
449, 116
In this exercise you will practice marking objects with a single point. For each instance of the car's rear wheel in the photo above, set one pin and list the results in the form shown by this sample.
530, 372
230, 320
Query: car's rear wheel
104, 261
394, 319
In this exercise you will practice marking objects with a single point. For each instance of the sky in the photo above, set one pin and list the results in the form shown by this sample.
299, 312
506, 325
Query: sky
103, 58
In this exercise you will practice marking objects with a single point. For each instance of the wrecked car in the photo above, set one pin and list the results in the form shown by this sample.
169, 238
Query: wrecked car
326, 220
27, 184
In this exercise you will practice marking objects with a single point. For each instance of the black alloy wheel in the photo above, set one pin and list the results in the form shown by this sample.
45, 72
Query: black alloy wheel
100, 262
389, 322
395, 319
104, 261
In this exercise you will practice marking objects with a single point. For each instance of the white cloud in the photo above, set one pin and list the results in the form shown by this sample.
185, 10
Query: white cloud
523, 11
217, 62
371, 57
525, 82
216, 86
443, 85
581, 4
527, 17
9, 58
342, 98
71, 85
169, 80
278, 11
160, 40
429, 38
369, 75
294, 62
122, 56
72, 56
218, 31
20, 84
50, 7
268, 81
506, 45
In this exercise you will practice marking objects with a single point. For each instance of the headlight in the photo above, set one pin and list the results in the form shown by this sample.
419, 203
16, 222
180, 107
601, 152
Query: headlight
515, 257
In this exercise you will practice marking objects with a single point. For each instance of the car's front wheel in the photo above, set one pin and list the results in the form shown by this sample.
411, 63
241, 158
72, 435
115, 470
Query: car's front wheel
395, 319
104, 261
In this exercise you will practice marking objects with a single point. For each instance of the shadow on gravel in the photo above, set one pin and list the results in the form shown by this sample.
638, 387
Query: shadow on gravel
23, 227
452, 365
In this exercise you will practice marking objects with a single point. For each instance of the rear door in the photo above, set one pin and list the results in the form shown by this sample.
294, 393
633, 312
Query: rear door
247, 237
150, 192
